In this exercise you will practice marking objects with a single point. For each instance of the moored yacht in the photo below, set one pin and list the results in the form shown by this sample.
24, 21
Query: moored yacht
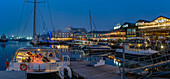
39, 60
85, 44
136, 46
100, 46
75, 43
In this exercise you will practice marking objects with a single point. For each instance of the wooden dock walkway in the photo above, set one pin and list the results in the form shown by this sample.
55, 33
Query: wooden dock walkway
13, 75
82, 69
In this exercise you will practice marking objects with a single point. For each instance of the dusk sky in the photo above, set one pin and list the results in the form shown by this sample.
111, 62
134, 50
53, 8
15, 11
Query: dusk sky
105, 13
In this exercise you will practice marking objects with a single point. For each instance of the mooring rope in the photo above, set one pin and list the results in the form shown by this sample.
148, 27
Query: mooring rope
19, 25
50, 15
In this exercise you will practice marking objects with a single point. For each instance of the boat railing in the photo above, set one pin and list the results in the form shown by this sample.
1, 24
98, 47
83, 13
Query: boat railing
66, 59
38, 67
150, 60
146, 63
59, 55
154, 55
165, 52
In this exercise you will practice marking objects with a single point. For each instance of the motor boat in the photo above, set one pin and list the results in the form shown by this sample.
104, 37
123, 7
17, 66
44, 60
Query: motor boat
136, 52
75, 43
100, 46
39, 60
136, 46
85, 44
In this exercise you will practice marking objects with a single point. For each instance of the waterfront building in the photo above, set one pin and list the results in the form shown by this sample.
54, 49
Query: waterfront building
77, 30
59, 35
114, 35
130, 29
77, 36
121, 32
77, 33
157, 29
96, 34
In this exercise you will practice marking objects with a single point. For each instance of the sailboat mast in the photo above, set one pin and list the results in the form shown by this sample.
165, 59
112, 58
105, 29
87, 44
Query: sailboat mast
35, 11
91, 24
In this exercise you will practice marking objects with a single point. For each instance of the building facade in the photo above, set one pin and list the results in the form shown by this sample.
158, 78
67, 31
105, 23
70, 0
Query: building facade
157, 29
96, 34
77, 33
59, 35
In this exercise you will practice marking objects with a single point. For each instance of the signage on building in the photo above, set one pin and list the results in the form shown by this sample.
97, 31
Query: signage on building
117, 27
126, 25
160, 20
131, 33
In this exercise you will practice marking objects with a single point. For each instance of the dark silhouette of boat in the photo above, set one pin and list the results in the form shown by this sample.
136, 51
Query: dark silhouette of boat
23, 40
3, 38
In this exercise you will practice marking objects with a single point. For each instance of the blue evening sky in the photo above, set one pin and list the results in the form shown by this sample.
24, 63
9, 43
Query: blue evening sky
105, 13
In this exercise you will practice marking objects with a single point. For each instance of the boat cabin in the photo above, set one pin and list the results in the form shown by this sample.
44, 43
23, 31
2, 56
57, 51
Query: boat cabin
36, 60
35, 55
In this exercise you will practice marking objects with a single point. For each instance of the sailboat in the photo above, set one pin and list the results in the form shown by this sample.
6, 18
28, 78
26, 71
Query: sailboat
39, 60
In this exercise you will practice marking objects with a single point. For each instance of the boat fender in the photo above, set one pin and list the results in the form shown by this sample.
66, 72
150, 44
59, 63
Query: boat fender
61, 72
69, 71
7, 64
23, 67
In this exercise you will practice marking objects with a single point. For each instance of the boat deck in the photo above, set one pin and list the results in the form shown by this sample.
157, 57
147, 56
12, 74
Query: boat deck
82, 69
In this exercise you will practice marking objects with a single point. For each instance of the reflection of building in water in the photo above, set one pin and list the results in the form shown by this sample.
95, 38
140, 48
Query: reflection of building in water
117, 62
159, 28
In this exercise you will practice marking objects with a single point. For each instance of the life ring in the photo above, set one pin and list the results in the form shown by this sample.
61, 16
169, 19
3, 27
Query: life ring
23, 67
7, 64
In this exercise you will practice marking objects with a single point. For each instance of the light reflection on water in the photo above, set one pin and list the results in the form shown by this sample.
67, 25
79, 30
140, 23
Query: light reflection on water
11, 47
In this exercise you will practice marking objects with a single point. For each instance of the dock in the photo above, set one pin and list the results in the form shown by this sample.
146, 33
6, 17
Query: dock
13, 75
81, 68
